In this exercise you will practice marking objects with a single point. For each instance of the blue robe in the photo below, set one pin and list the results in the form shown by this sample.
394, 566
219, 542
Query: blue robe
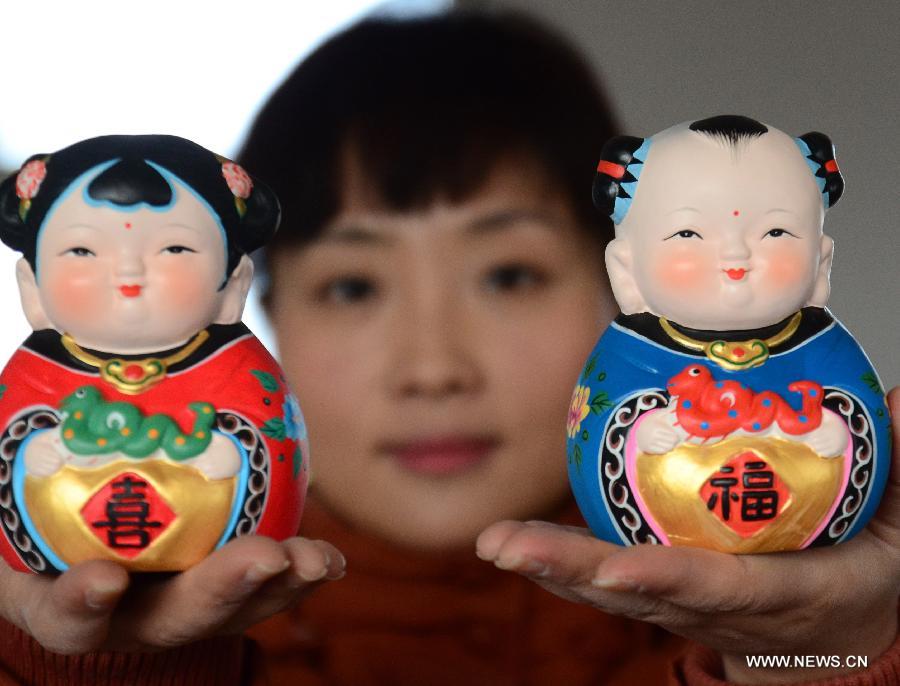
627, 375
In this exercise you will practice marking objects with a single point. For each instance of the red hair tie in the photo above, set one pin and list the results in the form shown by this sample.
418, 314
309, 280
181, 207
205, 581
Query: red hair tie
831, 166
617, 171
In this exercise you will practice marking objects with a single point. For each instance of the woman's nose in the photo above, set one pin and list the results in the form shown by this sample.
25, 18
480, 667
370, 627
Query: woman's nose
433, 355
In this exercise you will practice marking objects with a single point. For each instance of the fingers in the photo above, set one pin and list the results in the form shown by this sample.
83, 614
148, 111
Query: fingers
656, 583
190, 605
539, 549
565, 561
86, 608
312, 563
67, 614
710, 582
247, 580
886, 523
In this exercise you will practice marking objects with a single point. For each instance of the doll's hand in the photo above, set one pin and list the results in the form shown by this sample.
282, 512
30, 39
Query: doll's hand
839, 600
42, 456
655, 435
830, 439
97, 606
220, 461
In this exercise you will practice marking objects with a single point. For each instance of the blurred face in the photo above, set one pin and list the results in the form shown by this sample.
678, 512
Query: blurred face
434, 353
720, 238
135, 281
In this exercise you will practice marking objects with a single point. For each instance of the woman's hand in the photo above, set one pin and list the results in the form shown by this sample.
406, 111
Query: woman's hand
98, 606
840, 600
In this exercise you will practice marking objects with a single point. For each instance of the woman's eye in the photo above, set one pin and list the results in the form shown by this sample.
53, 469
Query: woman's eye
777, 233
177, 249
348, 290
513, 277
79, 251
686, 233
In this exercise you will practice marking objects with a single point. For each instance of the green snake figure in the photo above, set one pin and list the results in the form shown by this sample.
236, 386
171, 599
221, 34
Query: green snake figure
92, 426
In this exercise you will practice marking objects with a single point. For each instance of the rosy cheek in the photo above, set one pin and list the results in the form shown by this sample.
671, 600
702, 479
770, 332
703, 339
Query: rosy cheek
186, 290
787, 269
683, 273
73, 292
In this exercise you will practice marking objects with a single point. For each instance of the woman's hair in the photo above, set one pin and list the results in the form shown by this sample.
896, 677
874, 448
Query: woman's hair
129, 171
428, 107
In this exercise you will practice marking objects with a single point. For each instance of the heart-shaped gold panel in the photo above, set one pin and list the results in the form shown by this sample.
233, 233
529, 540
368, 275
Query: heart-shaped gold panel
196, 508
675, 488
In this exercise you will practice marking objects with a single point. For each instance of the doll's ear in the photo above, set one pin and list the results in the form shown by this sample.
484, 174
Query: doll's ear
822, 289
621, 277
31, 297
234, 295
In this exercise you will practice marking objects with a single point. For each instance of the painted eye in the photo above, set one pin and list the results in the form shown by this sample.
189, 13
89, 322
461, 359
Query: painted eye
177, 249
79, 251
694, 371
686, 233
779, 232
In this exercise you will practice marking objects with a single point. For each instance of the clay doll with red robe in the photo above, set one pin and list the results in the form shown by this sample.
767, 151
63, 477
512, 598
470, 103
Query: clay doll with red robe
141, 422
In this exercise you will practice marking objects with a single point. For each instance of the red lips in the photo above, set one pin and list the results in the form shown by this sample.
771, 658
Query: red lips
736, 274
443, 456
130, 291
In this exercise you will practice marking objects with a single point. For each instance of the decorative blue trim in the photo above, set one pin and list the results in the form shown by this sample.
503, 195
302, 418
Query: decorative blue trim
635, 167
85, 178
18, 479
813, 167
241, 486
169, 176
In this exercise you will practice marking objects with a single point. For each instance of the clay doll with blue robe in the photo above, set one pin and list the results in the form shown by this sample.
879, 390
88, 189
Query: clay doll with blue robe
725, 407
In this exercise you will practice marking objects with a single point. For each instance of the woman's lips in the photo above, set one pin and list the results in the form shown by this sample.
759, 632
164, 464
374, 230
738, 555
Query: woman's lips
130, 290
442, 456
735, 274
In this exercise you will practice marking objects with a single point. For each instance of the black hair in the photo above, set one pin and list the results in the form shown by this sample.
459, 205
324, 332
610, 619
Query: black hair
614, 180
730, 128
132, 177
824, 166
428, 106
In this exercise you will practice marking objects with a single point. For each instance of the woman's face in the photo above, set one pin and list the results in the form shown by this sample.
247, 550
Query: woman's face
134, 281
434, 353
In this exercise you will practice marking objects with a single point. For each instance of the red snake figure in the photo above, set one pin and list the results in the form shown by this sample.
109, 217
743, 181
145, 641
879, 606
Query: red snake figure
709, 408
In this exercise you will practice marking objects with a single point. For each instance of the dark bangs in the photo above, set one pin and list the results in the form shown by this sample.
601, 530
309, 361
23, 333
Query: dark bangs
428, 107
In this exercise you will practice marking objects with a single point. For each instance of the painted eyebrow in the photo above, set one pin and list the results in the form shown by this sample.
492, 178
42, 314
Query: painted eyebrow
686, 208
189, 227
82, 226
504, 219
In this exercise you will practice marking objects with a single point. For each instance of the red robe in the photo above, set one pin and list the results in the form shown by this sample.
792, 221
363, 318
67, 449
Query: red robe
231, 370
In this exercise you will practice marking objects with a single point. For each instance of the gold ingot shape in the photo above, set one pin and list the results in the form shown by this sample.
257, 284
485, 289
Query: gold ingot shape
202, 509
670, 486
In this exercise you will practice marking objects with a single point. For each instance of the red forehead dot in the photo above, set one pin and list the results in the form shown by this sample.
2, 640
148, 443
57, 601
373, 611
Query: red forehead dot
127, 225
736, 213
